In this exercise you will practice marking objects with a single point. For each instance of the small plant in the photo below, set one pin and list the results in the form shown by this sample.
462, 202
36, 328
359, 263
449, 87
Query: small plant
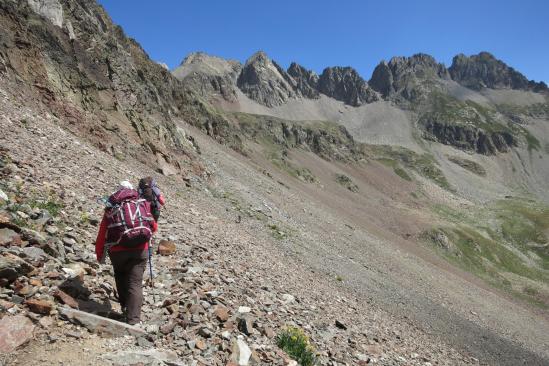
276, 232
85, 218
402, 173
296, 344
339, 278
53, 207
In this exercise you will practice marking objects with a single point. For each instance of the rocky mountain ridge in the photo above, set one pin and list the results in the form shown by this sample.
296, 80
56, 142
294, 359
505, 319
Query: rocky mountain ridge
401, 79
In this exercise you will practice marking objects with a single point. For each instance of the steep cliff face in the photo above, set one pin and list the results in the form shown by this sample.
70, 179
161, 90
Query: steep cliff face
346, 85
70, 56
486, 71
408, 78
468, 126
469, 137
264, 81
209, 75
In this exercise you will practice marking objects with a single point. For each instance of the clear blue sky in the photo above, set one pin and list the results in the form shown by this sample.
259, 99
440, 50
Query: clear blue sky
356, 33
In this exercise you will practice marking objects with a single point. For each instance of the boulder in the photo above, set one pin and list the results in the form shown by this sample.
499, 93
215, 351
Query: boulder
14, 331
40, 306
35, 255
241, 353
65, 298
100, 325
221, 313
12, 267
146, 357
8, 237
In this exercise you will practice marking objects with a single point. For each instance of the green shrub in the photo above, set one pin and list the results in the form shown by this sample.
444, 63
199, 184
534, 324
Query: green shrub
296, 344
346, 182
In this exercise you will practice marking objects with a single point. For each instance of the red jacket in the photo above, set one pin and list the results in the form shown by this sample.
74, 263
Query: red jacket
102, 236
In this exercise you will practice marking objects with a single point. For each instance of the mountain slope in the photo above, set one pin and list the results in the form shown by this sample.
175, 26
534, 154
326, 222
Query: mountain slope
330, 203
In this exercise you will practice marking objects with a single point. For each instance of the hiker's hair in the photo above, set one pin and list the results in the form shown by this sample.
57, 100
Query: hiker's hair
125, 185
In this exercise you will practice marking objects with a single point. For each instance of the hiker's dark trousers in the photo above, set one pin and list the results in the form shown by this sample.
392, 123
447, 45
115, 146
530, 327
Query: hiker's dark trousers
128, 273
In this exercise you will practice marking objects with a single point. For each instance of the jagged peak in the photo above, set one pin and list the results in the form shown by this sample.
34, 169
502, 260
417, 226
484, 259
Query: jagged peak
484, 70
205, 63
297, 68
258, 57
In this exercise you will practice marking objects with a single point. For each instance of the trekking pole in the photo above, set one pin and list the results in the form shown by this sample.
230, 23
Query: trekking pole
151, 266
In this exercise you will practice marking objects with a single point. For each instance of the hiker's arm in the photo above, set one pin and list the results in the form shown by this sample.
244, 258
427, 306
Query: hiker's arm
161, 199
154, 226
100, 241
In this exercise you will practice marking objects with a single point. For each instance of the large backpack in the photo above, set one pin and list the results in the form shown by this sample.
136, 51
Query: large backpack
129, 219
148, 189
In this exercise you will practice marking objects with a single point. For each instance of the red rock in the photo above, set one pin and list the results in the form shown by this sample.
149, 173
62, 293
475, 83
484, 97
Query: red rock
200, 344
14, 331
35, 282
166, 247
66, 299
39, 306
221, 313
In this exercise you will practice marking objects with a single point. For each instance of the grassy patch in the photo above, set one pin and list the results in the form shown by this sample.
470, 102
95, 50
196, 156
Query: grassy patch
296, 344
469, 165
505, 243
399, 158
402, 173
346, 182
282, 163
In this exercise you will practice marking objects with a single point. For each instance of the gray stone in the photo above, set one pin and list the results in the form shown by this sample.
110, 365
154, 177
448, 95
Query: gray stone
49, 9
152, 357
9, 237
52, 230
69, 241
241, 353
100, 325
12, 267
33, 237
35, 255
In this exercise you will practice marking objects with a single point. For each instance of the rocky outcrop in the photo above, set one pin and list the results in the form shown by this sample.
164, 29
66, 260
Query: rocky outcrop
469, 137
306, 80
327, 140
71, 58
266, 82
485, 71
209, 75
408, 78
346, 85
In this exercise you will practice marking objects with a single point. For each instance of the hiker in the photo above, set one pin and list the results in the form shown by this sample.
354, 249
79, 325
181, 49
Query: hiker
124, 234
148, 189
